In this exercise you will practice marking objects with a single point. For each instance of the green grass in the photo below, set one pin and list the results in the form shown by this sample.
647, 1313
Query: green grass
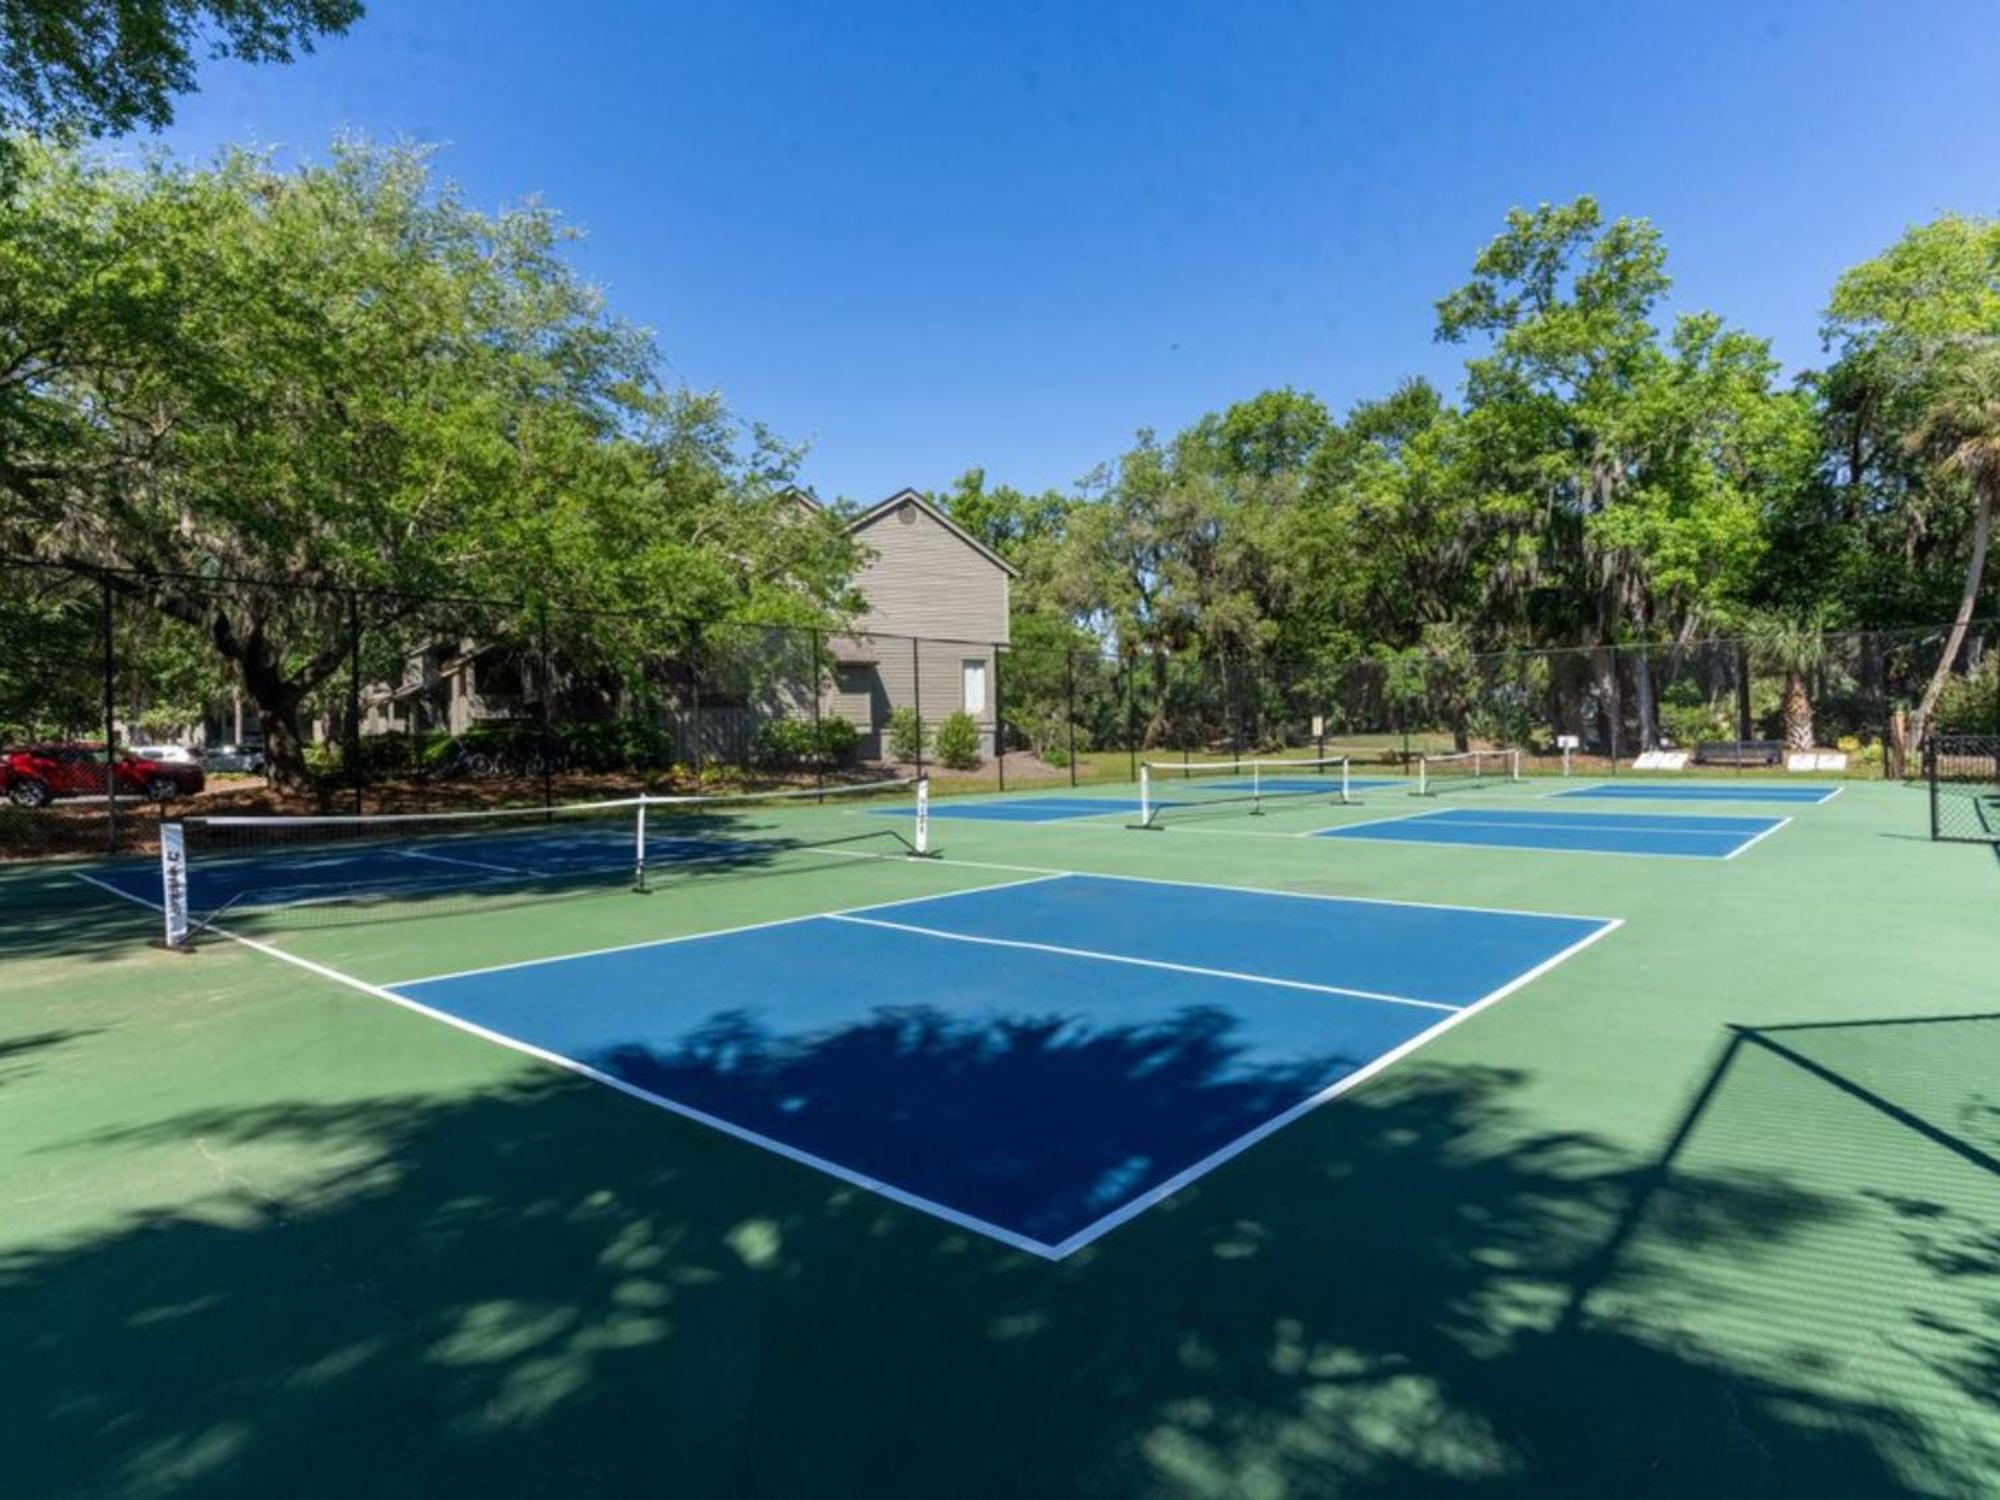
1711, 1209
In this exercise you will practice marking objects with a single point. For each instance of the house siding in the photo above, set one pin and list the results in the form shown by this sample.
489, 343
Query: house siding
940, 602
925, 580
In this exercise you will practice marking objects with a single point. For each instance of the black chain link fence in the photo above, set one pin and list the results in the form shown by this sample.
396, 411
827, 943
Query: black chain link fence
287, 697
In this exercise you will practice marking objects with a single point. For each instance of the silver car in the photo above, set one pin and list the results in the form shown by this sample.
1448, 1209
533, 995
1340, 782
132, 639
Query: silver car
234, 758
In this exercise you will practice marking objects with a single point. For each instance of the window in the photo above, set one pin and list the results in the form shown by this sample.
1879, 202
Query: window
497, 674
975, 686
853, 678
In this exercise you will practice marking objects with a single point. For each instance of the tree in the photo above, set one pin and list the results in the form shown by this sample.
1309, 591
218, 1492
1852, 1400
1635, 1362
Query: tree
343, 381
1961, 430
1914, 330
1645, 466
100, 67
1795, 644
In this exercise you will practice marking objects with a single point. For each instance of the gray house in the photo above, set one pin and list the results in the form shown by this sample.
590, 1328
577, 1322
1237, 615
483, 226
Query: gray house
936, 613
937, 610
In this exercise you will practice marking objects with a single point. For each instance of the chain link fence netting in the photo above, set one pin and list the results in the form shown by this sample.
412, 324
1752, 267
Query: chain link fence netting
124, 695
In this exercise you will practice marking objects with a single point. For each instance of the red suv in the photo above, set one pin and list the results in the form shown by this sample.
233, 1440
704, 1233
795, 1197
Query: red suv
35, 775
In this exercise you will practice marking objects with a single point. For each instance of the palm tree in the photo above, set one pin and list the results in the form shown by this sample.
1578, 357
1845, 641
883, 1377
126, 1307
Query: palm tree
1795, 644
1961, 430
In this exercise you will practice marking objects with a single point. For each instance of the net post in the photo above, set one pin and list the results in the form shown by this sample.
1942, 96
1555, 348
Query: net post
174, 886
1930, 763
1346, 789
917, 697
639, 849
1145, 796
923, 829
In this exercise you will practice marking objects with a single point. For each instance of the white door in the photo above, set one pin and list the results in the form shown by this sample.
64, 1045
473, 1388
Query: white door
975, 686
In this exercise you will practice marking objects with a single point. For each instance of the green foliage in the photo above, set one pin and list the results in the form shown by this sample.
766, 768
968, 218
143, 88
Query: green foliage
102, 68
908, 735
799, 744
368, 384
1969, 703
958, 742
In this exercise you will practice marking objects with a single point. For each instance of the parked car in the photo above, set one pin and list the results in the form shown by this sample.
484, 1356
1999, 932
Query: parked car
234, 758
173, 755
36, 775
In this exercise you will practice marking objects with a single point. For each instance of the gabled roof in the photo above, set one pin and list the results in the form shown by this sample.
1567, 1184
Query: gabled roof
905, 497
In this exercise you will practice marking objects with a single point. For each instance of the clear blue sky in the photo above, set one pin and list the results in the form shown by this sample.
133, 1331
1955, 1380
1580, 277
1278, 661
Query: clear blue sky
926, 236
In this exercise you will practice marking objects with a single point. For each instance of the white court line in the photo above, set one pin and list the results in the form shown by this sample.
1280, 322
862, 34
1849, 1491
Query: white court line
692, 937
472, 864
1140, 963
1682, 792
1758, 839
1367, 838
1090, 1232
1126, 1212
1263, 890
1771, 825
645, 1096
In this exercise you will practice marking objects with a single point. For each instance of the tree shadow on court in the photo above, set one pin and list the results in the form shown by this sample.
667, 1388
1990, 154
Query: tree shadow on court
47, 913
549, 1288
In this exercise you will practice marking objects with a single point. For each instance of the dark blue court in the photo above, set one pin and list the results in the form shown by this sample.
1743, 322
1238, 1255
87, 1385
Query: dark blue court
1704, 791
1661, 835
1037, 1061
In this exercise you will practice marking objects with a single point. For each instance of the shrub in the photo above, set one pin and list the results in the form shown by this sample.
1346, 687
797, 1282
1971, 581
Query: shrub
907, 734
782, 744
838, 741
1966, 706
958, 742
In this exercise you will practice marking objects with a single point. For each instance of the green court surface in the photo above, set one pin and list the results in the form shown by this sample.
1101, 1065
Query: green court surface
1712, 1207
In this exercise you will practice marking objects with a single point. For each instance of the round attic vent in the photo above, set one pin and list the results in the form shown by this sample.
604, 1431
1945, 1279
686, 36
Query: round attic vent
906, 514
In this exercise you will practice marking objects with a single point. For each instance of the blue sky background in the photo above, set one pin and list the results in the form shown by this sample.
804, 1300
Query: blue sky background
926, 236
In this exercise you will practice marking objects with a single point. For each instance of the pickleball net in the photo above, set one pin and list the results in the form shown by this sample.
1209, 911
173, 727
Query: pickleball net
289, 871
1466, 770
1173, 790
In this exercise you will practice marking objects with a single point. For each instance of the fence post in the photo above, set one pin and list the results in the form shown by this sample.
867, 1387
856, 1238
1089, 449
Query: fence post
999, 720
1069, 692
818, 744
352, 739
1743, 693
917, 696
545, 670
694, 672
105, 608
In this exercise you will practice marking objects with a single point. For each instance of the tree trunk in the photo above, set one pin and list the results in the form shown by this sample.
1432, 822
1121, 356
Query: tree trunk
1604, 667
1798, 713
1642, 701
1975, 569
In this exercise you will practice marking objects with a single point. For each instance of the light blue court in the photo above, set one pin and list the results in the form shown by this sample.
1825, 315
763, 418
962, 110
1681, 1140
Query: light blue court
1039, 1061
1703, 791
1662, 835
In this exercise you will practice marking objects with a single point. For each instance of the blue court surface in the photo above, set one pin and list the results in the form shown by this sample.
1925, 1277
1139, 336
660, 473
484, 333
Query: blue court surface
1059, 809
1704, 791
1037, 1061
1025, 809
421, 867
1664, 836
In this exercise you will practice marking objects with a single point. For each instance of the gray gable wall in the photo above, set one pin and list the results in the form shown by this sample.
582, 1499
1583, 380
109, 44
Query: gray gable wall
928, 579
